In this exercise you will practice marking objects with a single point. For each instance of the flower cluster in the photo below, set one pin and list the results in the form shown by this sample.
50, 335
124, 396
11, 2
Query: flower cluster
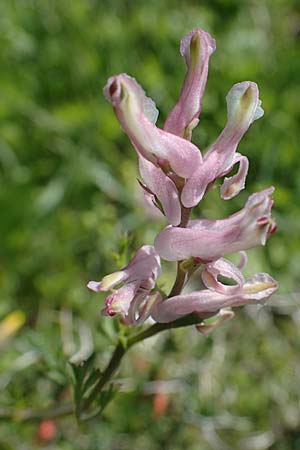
176, 176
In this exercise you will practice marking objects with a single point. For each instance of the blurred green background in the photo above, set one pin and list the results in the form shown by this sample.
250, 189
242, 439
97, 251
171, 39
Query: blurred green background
71, 211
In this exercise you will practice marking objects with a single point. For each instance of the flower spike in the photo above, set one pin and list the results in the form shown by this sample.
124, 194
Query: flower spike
175, 177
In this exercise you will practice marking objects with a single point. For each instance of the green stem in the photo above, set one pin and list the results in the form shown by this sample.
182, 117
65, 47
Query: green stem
36, 415
107, 374
179, 281
185, 321
120, 351
185, 216
181, 274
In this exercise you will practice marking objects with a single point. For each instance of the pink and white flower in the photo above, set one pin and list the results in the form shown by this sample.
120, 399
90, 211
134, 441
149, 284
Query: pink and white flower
243, 107
137, 115
196, 47
175, 178
134, 300
208, 240
162, 188
217, 296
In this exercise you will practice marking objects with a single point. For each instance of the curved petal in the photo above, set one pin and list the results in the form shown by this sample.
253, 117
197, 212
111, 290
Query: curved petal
232, 186
223, 315
158, 146
195, 187
119, 302
144, 265
196, 47
141, 307
227, 269
163, 188
243, 107
243, 261
207, 302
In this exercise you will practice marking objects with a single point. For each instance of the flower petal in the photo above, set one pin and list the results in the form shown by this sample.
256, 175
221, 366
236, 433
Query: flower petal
144, 265
196, 47
260, 286
243, 107
108, 282
207, 302
243, 260
141, 307
119, 302
163, 188
223, 315
211, 239
160, 147
227, 269
232, 186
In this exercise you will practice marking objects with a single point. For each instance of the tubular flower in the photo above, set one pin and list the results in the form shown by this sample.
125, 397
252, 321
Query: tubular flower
137, 115
217, 296
196, 48
243, 108
133, 301
210, 239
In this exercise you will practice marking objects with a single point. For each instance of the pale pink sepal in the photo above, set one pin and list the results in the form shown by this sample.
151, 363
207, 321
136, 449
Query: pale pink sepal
163, 188
137, 115
210, 239
243, 107
196, 48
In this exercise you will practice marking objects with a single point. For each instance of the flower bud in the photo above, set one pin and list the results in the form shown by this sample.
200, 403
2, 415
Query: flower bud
196, 47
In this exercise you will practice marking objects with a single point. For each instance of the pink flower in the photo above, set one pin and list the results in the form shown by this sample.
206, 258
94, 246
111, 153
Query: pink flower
210, 239
133, 301
137, 115
196, 48
243, 106
217, 296
162, 189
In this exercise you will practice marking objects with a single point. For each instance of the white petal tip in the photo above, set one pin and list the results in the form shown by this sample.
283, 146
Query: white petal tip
94, 286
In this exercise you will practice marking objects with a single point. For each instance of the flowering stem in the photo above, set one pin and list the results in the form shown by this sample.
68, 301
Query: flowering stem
35, 415
181, 274
179, 281
191, 319
185, 216
122, 348
112, 366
